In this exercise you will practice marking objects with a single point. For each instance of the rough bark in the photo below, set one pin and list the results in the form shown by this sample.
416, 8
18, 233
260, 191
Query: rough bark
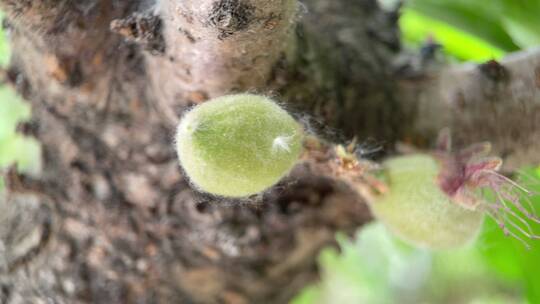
216, 47
495, 101
111, 219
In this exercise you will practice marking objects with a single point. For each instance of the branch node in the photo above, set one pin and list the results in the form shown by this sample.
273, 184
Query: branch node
230, 16
143, 29
494, 71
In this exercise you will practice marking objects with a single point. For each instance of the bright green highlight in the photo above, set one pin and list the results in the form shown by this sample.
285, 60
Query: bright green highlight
503, 25
416, 210
506, 24
472, 17
14, 148
238, 145
416, 28
12, 110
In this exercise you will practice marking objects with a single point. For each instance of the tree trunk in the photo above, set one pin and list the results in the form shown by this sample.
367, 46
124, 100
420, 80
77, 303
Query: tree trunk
112, 220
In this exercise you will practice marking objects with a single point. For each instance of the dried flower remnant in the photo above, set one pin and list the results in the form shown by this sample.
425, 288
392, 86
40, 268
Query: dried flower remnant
438, 200
469, 176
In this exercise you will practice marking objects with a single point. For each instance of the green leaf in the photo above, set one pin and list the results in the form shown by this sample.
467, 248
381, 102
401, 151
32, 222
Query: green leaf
25, 152
525, 34
478, 18
417, 28
310, 295
521, 21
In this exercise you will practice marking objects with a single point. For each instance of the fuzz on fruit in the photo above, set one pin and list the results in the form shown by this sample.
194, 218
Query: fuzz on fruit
418, 211
238, 145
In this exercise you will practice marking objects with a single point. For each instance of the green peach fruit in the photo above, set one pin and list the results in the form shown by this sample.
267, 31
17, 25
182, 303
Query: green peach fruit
238, 145
418, 211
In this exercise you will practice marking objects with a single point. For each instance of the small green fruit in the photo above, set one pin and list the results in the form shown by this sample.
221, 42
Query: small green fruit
238, 145
418, 211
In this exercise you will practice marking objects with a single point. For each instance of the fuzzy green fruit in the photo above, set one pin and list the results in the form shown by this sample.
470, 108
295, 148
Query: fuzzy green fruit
418, 211
238, 145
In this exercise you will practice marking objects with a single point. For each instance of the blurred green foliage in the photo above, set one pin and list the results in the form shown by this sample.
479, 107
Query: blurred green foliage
459, 44
372, 269
14, 148
473, 30
377, 268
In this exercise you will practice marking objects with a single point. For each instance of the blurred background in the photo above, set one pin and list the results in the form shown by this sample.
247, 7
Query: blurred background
374, 267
